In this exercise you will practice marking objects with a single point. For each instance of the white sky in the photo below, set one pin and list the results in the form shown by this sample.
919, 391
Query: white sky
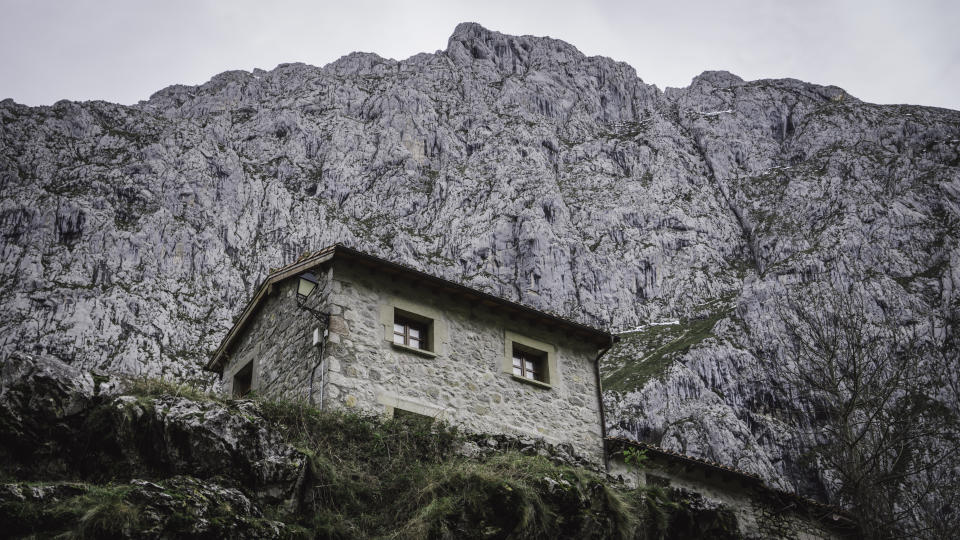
124, 50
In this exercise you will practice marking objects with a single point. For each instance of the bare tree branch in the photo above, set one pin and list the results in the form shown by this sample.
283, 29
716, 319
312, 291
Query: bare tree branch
870, 381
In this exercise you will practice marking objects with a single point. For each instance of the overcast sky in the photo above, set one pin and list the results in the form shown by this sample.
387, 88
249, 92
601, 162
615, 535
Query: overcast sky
124, 50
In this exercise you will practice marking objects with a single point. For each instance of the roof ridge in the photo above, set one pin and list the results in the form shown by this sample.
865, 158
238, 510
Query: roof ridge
307, 260
468, 286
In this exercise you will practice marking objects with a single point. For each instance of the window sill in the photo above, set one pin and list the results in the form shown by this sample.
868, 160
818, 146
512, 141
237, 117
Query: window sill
421, 352
531, 381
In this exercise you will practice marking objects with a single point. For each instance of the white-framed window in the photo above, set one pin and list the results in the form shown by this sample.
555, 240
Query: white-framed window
413, 327
529, 363
411, 332
530, 360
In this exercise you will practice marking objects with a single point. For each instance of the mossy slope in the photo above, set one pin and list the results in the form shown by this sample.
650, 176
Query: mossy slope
648, 352
154, 460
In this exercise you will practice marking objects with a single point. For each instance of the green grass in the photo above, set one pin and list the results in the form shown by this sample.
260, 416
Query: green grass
91, 512
174, 508
521, 495
646, 354
151, 388
364, 477
403, 479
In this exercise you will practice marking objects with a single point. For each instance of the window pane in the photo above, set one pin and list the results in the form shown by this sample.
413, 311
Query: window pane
398, 339
414, 332
517, 371
398, 328
516, 362
415, 343
529, 375
529, 365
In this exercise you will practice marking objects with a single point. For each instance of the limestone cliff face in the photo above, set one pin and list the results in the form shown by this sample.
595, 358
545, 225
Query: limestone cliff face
132, 235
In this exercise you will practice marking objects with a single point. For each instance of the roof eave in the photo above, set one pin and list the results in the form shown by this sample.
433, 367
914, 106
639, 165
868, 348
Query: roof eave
283, 273
326, 254
602, 337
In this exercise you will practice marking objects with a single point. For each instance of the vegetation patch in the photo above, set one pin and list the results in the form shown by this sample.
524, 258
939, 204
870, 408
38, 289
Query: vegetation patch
152, 388
360, 476
405, 478
86, 511
646, 353
174, 508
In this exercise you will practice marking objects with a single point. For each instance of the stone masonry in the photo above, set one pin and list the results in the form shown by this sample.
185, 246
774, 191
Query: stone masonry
465, 379
761, 512
279, 343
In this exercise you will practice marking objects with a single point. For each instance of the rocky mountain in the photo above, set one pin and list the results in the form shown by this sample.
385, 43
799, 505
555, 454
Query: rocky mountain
132, 235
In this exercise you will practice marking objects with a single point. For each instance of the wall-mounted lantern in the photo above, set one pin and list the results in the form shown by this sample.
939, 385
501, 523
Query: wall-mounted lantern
306, 285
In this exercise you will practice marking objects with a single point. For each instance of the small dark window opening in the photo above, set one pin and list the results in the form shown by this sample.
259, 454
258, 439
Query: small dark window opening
412, 419
243, 380
529, 363
655, 480
410, 332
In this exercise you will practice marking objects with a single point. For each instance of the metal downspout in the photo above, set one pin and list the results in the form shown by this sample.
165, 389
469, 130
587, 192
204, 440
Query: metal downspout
323, 317
319, 363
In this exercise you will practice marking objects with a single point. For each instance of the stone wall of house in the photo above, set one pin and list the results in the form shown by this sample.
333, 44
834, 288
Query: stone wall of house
464, 382
759, 513
278, 340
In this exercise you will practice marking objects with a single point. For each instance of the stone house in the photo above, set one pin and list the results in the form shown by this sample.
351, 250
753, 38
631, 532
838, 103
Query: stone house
379, 337
751, 508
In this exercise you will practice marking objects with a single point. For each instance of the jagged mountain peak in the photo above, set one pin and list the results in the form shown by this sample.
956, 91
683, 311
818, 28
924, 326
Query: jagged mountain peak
489, 54
132, 235
717, 79
471, 42
709, 81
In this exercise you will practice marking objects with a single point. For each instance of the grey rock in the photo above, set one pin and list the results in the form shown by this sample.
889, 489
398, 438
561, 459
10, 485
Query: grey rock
187, 507
514, 164
39, 396
51, 420
207, 439
470, 449
50, 389
179, 506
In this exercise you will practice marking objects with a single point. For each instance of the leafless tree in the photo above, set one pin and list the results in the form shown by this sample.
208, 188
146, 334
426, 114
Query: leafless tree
870, 378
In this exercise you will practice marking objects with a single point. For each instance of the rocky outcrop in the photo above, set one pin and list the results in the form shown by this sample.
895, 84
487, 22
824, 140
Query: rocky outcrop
181, 507
35, 396
136, 465
157, 460
59, 421
516, 164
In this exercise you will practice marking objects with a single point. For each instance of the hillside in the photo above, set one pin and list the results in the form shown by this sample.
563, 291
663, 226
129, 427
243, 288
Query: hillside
94, 456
